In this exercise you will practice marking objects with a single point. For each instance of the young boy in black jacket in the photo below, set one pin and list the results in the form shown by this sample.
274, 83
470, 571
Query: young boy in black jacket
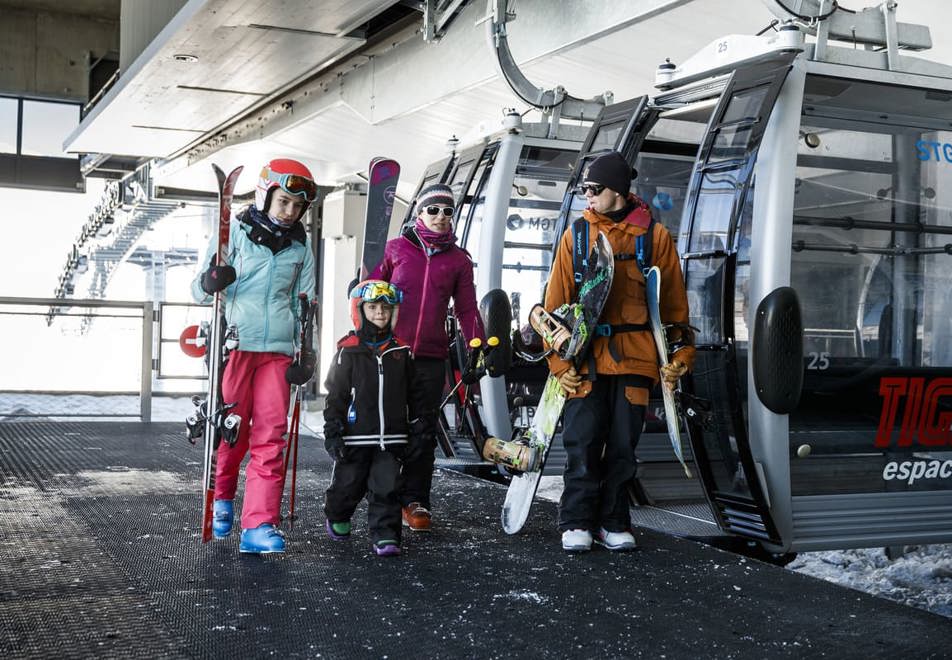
367, 418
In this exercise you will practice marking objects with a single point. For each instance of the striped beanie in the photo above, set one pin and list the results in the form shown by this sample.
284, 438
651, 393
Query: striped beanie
438, 193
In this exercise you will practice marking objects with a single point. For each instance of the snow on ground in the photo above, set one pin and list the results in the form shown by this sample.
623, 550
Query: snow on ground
920, 578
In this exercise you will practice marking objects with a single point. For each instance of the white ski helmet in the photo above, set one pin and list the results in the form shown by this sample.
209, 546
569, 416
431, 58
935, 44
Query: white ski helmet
289, 175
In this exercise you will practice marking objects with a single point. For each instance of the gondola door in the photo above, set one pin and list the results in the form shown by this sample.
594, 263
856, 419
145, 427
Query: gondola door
718, 198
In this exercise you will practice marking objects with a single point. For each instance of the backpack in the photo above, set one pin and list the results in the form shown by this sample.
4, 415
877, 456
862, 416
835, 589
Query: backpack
580, 254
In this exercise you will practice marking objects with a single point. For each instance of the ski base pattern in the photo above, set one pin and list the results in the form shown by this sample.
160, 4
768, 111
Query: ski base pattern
382, 178
576, 323
671, 417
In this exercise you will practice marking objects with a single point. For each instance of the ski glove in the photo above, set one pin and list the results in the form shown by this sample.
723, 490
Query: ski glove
334, 440
217, 278
420, 438
569, 381
302, 369
671, 372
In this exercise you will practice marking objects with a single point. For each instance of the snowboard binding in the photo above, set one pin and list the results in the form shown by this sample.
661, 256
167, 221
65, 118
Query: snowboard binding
516, 455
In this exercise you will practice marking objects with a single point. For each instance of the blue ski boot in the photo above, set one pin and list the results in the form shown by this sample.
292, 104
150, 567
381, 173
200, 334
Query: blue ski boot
261, 540
223, 515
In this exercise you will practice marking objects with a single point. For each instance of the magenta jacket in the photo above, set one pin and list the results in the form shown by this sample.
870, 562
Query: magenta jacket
428, 283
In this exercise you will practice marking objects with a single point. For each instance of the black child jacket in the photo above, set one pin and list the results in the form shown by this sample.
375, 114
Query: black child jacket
369, 399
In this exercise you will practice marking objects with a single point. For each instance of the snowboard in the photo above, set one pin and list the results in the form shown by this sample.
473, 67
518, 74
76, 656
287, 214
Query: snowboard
211, 415
382, 177
569, 330
671, 417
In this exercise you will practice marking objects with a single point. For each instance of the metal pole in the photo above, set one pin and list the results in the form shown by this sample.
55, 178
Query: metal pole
145, 386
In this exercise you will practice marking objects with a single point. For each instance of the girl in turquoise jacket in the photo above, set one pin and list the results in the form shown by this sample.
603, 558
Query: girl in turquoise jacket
270, 261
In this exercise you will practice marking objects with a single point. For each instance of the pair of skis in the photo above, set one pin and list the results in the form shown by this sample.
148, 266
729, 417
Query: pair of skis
211, 415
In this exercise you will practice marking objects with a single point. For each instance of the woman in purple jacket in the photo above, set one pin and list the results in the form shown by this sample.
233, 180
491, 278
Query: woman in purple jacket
426, 264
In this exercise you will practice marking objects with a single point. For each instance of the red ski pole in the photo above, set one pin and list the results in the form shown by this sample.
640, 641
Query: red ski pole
293, 440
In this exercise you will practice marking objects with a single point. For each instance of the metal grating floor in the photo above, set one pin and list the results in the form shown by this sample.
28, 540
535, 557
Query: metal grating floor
101, 558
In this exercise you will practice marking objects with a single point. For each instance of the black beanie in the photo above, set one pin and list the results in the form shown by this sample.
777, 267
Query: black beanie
612, 171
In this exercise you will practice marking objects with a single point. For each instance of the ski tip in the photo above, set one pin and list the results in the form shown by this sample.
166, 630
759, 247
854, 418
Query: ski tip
687, 471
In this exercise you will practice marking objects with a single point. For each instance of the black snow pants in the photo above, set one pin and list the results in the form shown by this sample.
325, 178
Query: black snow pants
600, 432
372, 472
429, 377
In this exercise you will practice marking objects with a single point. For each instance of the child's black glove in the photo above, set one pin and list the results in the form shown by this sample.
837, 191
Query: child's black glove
217, 278
334, 440
301, 370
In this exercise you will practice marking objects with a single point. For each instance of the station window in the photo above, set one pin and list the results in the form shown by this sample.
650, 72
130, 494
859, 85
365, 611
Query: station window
46, 126
8, 125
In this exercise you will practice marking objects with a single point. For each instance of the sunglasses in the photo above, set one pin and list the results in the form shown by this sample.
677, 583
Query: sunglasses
294, 184
377, 292
594, 188
447, 211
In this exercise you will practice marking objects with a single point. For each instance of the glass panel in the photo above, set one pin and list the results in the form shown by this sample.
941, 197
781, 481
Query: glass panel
663, 182
872, 222
712, 382
46, 126
471, 206
607, 135
8, 126
560, 160
705, 286
715, 208
730, 143
531, 230
458, 179
745, 105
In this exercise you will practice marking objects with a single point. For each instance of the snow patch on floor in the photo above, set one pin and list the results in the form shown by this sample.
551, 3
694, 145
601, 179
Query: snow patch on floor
920, 578
550, 489
121, 481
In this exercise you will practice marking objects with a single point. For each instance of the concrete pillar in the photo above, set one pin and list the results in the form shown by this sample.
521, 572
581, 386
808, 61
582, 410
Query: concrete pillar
343, 235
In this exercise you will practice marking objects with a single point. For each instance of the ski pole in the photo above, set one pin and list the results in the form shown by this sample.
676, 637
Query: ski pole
296, 421
475, 343
290, 454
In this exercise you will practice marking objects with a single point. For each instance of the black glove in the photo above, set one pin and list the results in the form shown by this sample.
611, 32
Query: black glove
334, 440
301, 370
419, 440
414, 449
217, 278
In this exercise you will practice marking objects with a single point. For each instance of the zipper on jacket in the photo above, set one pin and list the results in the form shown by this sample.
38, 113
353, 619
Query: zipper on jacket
267, 297
380, 397
426, 276
380, 390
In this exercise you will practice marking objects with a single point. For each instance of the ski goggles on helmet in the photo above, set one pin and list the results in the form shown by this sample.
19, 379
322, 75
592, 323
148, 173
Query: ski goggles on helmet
295, 184
377, 291
447, 211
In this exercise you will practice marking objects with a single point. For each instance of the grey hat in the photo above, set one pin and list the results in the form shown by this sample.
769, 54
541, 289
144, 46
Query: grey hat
438, 193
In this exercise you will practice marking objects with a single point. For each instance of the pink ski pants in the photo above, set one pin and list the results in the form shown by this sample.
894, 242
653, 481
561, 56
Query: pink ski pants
256, 382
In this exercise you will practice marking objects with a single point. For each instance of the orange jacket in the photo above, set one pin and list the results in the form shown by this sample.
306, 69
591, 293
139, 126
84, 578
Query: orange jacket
626, 300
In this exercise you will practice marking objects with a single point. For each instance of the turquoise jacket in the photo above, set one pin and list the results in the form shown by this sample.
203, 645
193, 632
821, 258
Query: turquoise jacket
263, 300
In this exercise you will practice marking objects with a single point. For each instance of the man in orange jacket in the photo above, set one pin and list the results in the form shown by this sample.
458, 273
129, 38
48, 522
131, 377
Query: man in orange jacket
608, 396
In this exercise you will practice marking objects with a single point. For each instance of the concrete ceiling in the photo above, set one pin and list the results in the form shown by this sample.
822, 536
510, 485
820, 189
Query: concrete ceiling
212, 62
102, 9
410, 97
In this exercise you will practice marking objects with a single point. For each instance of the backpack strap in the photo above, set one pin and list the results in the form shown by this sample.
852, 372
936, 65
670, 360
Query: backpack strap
579, 250
644, 245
